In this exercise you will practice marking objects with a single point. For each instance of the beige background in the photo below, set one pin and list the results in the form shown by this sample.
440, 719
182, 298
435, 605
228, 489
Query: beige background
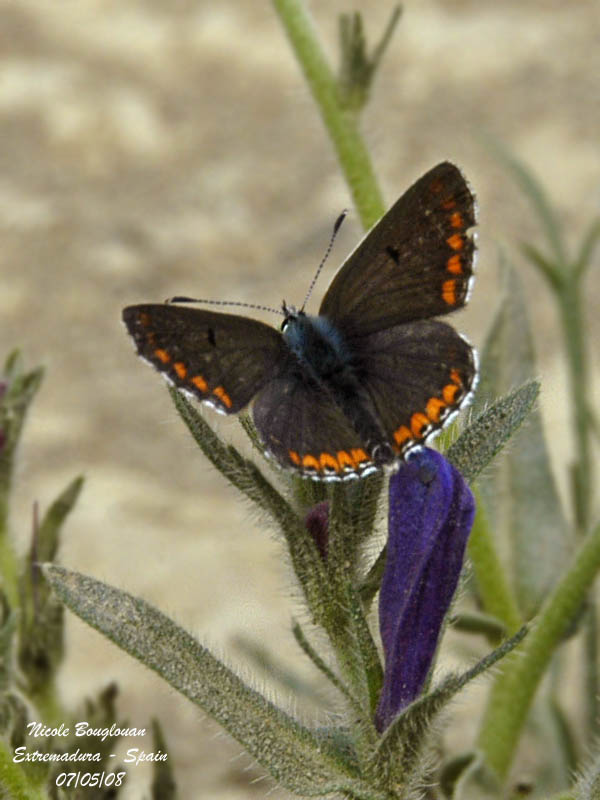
151, 149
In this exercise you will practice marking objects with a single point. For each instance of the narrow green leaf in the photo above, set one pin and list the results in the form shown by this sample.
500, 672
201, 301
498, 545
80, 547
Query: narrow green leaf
357, 68
163, 779
487, 625
485, 437
372, 581
18, 390
47, 538
586, 250
295, 756
7, 667
386, 38
547, 268
493, 586
41, 621
532, 518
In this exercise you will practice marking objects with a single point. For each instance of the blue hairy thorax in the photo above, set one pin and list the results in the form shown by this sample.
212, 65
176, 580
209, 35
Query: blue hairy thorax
317, 344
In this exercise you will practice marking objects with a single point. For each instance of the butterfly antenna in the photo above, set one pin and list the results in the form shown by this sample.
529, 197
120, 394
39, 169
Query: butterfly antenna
336, 227
181, 299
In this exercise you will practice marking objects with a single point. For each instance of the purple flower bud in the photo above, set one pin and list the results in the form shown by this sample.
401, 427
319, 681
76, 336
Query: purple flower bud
431, 511
317, 523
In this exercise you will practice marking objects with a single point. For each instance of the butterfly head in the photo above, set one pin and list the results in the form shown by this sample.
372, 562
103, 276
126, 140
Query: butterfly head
290, 315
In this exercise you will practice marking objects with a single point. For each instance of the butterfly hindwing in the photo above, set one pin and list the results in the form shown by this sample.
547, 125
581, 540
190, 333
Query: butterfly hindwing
417, 376
304, 429
416, 262
222, 359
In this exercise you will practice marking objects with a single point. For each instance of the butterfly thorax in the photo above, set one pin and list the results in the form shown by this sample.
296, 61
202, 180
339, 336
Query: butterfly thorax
317, 344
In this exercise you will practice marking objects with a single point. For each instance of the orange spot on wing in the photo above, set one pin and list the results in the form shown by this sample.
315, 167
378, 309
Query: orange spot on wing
345, 459
359, 455
456, 220
180, 369
294, 457
449, 292
448, 205
327, 460
162, 355
402, 434
200, 383
455, 241
434, 408
223, 396
449, 393
418, 423
454, 264
310, 462
455, 377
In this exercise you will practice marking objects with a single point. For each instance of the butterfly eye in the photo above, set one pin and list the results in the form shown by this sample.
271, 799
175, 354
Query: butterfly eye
291, 315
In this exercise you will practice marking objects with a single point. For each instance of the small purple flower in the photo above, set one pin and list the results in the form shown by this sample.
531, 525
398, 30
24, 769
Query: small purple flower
431, 511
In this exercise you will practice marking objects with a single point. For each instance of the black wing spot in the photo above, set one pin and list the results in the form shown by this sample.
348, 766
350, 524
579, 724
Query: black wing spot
211, 337
393, 254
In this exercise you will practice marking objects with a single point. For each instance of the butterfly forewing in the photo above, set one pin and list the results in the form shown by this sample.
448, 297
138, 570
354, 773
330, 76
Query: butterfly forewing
416, 262
222, 359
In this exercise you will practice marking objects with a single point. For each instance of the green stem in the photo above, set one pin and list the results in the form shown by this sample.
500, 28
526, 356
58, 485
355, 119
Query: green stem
9, 569
13, 780
521, 673
492, 583
348, 143
571, 309
570, 305
591, 682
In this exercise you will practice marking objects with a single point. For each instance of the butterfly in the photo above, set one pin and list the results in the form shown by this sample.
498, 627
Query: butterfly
369, 378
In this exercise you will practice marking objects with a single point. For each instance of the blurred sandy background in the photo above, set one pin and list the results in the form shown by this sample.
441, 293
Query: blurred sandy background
156, 148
